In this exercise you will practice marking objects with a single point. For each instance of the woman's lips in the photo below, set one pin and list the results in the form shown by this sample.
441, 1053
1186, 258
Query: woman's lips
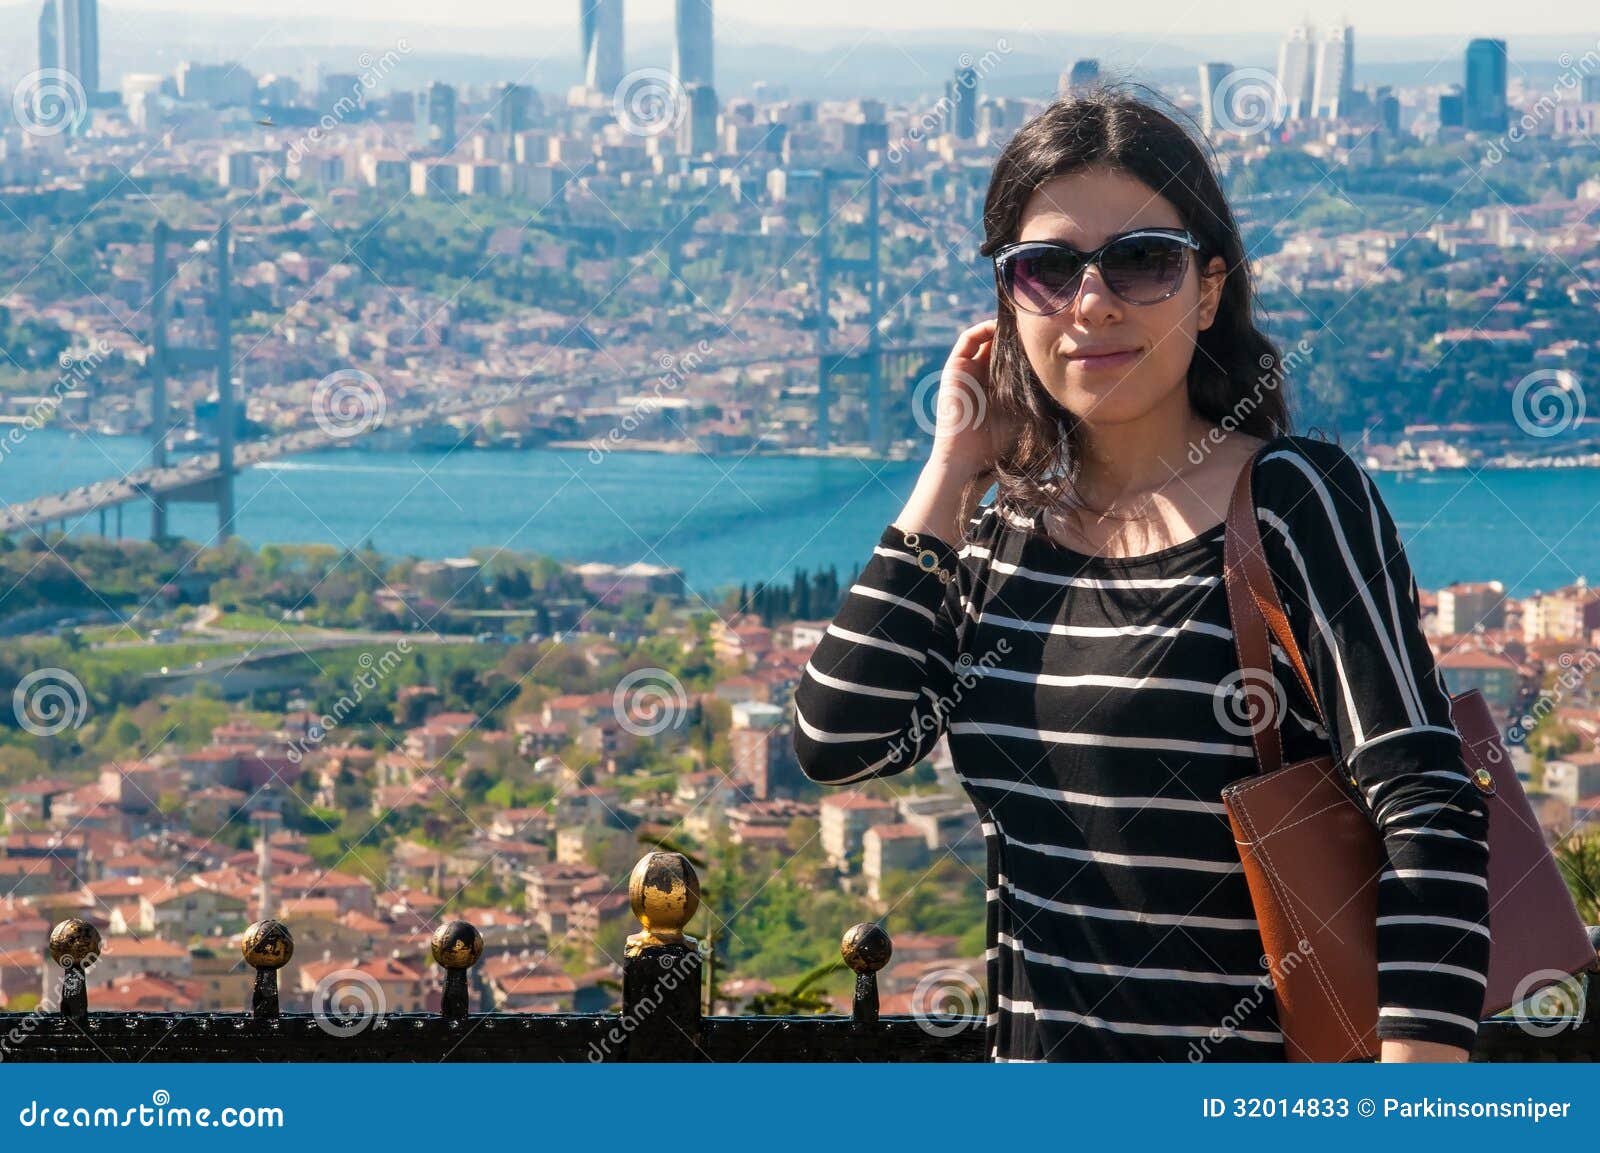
1106, 359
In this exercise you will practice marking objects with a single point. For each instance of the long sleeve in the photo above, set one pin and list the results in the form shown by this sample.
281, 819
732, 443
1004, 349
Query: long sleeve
1352, 603
872, 700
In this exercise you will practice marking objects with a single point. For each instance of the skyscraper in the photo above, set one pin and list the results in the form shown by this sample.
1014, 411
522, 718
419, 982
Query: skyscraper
602, 44
962, 93
1211, 77
1297, 72
1486, 86
693, 55
69, 41
436, 117
1336, 66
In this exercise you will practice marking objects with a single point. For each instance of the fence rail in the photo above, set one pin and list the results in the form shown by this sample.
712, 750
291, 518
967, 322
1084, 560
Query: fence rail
660, 1019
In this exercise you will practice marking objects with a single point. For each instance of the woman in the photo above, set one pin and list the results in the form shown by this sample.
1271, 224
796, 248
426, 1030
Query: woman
1112, 402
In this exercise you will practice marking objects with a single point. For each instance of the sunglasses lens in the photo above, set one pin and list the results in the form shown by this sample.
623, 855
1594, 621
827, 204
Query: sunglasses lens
1144, 269
1042, 280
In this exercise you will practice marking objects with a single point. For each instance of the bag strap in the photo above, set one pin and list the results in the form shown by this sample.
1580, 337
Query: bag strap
1257, 616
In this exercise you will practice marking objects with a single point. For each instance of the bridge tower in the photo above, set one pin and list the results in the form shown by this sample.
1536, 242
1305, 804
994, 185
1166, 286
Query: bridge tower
165, 359
828, 359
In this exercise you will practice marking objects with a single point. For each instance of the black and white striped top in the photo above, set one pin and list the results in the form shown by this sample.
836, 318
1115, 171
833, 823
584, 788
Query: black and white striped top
1081, 699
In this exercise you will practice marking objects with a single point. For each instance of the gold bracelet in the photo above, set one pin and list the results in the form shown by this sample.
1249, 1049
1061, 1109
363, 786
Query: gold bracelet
927, 559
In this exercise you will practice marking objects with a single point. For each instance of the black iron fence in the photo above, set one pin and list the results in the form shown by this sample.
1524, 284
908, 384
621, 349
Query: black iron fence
660, 1018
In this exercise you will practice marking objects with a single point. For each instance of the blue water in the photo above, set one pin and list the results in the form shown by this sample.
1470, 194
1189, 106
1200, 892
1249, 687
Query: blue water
727, 520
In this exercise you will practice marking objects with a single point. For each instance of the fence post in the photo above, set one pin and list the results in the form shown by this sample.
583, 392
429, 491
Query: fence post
866, 948
75, 945
456, 947
267, 947
661, 964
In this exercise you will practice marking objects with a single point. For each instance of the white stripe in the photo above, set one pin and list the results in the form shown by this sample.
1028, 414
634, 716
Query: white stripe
852, 687
1101, 740
1427, 1014
1434, 807
1095, 680
1150, 973
1032, 790
1060, 630
1426, 967
1274, 521
1023, 571
1447, 922
1264, 1035
874, 642
1188, 920
1130, 860
1399, 630
823, 737
1363, 746
890, 598
1433, 875
1427, 832
1399, 669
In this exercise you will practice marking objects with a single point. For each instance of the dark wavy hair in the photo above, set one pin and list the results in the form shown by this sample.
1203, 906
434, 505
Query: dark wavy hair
1236, 377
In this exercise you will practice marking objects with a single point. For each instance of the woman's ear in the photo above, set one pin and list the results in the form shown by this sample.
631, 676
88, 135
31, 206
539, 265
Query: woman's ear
1212, 277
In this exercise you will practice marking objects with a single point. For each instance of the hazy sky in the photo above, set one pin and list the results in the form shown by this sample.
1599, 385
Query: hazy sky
1375, 17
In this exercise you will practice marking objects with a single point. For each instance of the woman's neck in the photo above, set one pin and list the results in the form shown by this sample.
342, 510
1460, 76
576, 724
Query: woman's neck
1136, 458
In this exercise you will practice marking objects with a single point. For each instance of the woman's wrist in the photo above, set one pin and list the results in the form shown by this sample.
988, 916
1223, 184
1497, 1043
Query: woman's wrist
1397, 1050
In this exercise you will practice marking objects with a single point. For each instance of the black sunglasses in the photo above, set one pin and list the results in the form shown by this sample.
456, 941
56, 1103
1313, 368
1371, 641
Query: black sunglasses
1145, 266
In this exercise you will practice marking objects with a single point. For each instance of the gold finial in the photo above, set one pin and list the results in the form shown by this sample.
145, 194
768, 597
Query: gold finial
866, 947
664, 892
267, 945
74, 942
456, 945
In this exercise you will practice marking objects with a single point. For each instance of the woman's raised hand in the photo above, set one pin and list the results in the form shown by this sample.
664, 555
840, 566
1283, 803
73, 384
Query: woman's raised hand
967, 436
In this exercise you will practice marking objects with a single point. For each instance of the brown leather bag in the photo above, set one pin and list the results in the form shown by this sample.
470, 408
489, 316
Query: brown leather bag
1312, 853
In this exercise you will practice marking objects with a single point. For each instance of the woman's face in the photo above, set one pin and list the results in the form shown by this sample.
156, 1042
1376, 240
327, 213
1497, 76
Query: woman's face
1084, 210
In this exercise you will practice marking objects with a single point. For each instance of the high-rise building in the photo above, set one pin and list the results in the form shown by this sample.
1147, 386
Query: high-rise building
962, 94
511, 104
69, 41
1335, 80
436, 117
602, 44
697, 135
1486, 86
1211, 78
1297, 72
692, 61
1591, 88
1452, 107
1083, 74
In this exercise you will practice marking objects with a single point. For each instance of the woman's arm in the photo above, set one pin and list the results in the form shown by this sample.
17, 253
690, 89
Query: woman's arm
1353, 605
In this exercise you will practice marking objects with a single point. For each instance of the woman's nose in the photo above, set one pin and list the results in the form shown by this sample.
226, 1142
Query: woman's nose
1095, 302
